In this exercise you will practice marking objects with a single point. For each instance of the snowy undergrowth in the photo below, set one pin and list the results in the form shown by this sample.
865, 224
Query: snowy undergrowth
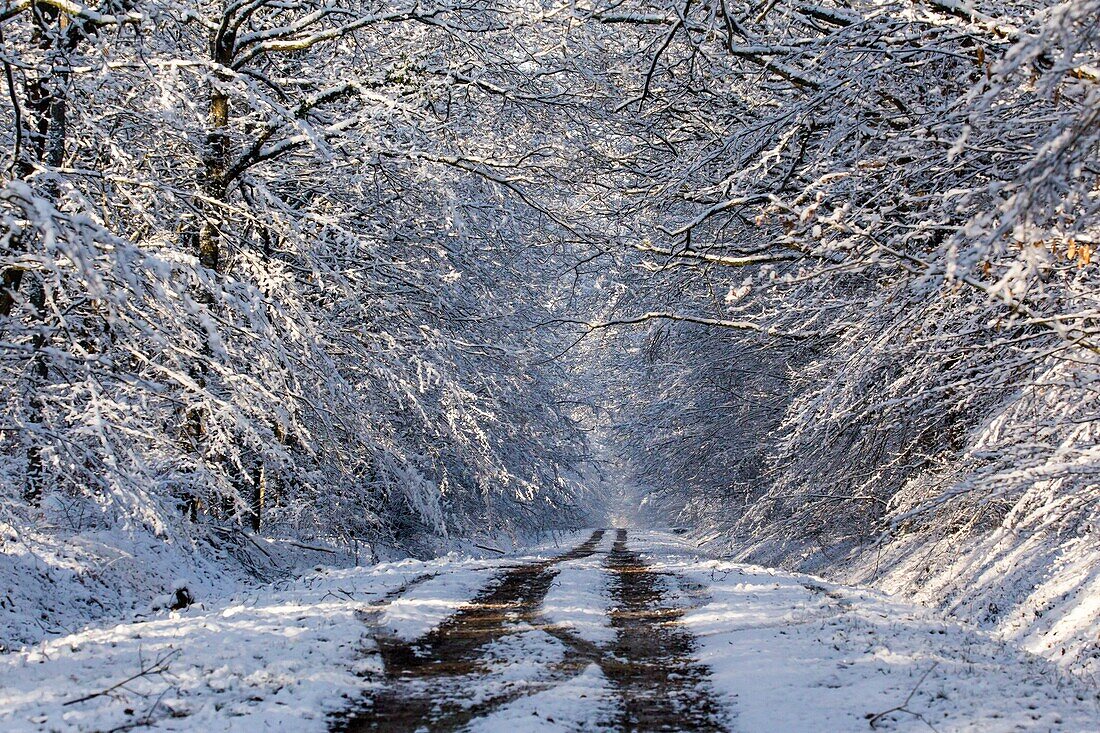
55, 582
279, 657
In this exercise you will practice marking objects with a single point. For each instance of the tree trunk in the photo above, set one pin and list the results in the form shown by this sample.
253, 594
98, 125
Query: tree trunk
204, 238
215, 163
34, 488
46, 135
46, 129
259, 490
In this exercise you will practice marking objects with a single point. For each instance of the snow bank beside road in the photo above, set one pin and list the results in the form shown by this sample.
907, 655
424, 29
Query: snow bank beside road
1030, 584
53, 583
796, 653
1033, 579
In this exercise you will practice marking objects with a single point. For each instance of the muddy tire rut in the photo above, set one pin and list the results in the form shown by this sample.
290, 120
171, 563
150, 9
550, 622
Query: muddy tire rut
439, 681
651, 665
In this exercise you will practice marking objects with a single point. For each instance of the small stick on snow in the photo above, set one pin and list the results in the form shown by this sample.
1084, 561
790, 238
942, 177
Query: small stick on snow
315, 548
904, 707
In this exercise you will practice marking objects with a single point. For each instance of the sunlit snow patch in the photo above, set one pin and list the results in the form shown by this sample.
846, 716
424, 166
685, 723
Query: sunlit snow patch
584, 703
428, 604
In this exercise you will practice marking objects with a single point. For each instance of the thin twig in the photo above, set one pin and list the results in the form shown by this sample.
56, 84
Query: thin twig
904, 707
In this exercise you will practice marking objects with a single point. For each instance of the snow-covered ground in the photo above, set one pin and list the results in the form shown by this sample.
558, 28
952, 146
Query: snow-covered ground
280, 657
793, 652
782, 652
579, 599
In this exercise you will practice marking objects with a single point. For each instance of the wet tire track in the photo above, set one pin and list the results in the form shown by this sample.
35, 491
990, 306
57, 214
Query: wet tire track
663, 688
423, 678
428, 682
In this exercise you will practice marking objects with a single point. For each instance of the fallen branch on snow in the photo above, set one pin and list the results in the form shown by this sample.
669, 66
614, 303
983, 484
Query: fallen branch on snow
157, 667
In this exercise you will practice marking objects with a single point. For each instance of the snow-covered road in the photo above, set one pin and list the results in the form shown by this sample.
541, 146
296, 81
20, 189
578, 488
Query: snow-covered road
625, 631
